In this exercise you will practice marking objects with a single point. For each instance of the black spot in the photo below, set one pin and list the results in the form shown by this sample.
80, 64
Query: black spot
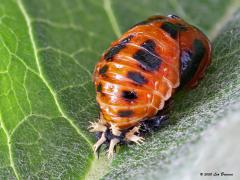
199, 50
117, 48
125, 113
129, 95
99, 87
148, 61
113, 51
147, 57
173, 29
103, 70
170, 28
136, 77
190, 61
149, 45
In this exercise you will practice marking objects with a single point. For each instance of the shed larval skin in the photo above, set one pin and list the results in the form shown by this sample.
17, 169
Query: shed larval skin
141, 71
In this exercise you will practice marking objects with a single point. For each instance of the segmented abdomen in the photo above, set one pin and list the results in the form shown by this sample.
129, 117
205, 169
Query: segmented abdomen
137, 74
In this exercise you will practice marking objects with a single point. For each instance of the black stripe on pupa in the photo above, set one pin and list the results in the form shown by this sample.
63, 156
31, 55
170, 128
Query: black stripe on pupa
147, 57
117, 48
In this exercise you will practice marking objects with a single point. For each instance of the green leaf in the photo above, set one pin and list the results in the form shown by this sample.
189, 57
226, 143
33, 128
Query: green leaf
48, 50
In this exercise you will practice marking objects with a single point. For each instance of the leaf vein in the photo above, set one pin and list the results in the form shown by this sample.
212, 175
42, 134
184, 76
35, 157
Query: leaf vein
112, 18
9, 147
28, 22
69, 55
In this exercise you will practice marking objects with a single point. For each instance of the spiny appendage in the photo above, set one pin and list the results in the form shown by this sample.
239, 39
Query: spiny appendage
130, 136
111, 135
97, 127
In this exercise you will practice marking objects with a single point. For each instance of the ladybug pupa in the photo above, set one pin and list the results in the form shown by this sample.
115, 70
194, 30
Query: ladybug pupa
136, 77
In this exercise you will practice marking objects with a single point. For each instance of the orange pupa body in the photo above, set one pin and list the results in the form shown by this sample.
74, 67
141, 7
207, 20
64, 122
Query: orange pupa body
146, 66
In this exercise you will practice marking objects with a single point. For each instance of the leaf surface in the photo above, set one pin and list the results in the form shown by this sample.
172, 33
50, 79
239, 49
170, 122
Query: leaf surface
48, 50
